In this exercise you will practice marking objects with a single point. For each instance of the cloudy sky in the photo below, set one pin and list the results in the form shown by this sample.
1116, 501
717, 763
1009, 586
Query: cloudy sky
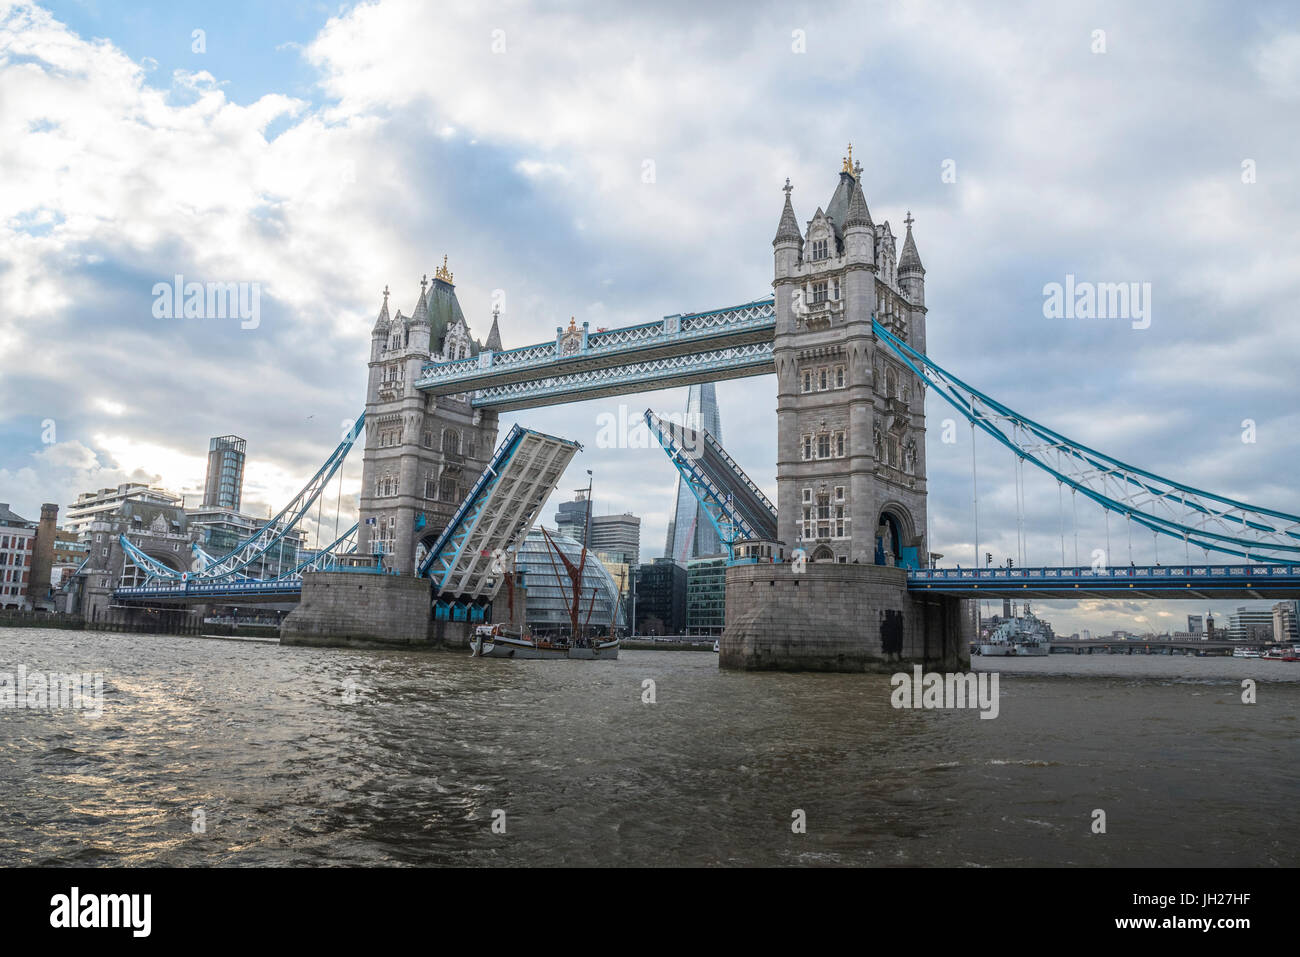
324, 152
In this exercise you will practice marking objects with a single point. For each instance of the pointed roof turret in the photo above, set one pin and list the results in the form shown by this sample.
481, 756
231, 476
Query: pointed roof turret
857, 214
382, 320
788, 229
494, 335
444, 308
910, 261
421, 313
838, 209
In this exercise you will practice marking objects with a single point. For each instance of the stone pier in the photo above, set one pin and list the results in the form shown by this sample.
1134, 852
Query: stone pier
839, 617
352, 609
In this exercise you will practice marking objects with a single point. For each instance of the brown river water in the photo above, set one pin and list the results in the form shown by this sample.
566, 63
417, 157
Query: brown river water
213, 752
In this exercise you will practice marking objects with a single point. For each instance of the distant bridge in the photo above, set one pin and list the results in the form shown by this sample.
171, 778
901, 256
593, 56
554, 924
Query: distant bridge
1141, 581
1144, 646
198, 592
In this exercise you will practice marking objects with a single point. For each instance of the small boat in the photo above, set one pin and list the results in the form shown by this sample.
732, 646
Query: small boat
1245, 653
1280, 654
496, 641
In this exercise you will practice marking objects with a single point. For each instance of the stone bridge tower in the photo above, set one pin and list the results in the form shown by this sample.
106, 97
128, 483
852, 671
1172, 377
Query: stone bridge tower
850, 416
422, 453
851, 490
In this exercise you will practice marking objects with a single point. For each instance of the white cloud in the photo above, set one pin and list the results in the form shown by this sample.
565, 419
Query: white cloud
1067, 161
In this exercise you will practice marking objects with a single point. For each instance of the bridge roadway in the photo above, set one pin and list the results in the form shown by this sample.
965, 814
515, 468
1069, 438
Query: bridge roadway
578, 364
1140, 581
1194, 582
1144, 646
199, 593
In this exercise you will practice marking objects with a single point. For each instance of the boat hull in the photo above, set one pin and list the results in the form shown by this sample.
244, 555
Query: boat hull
1013, 651
601, 651
504, 646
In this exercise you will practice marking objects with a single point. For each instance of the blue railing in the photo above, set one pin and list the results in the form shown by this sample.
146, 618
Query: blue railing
624, 341
1084, 578
1088, 572
199, 589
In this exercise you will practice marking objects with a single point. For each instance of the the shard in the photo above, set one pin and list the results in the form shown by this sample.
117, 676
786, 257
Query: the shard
690, 533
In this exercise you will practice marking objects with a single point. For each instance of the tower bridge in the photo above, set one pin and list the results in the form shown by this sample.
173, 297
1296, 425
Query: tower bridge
836, 575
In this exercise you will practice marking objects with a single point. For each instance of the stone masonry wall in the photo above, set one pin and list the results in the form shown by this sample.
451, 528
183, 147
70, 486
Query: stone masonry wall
354, 609
837, 617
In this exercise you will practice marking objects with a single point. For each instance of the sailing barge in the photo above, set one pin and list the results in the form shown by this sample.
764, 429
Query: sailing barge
501, 641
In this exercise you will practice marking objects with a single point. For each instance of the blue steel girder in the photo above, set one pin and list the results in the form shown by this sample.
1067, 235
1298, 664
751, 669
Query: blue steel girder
752, 359
496, 514
579, 351
265, 538
1198, 582
198, 592
68, 579
324, 558
1161, 505
734, 504
438, 563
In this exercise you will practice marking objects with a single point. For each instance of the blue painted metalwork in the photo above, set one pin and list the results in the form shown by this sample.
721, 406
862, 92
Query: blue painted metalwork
455, 609
289, 583
750, 359
1154, 502
469, 558
735, 505
1135, 581
698, 332
249, 588
66, 584
442, 556
261, 541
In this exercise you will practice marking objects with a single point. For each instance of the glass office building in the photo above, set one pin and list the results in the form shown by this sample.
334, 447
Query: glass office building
225, 481
706, 595
661, 598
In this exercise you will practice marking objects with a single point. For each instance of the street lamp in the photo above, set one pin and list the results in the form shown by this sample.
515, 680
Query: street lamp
586, 528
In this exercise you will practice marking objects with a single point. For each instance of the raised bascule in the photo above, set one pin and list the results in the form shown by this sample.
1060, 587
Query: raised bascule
837, 575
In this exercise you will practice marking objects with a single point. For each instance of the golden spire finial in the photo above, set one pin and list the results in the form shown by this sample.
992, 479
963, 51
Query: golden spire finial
848, 162
573, 324
442, 272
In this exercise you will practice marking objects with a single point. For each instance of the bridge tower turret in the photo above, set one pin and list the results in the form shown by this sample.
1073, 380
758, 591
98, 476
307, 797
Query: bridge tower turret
850, 419
850, 474
911, 274
422, 453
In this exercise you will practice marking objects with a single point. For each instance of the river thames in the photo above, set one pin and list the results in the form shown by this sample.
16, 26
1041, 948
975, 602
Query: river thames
212, 752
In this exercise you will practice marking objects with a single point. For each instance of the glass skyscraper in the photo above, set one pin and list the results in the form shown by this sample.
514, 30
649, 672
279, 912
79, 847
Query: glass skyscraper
690, 533
225, 482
